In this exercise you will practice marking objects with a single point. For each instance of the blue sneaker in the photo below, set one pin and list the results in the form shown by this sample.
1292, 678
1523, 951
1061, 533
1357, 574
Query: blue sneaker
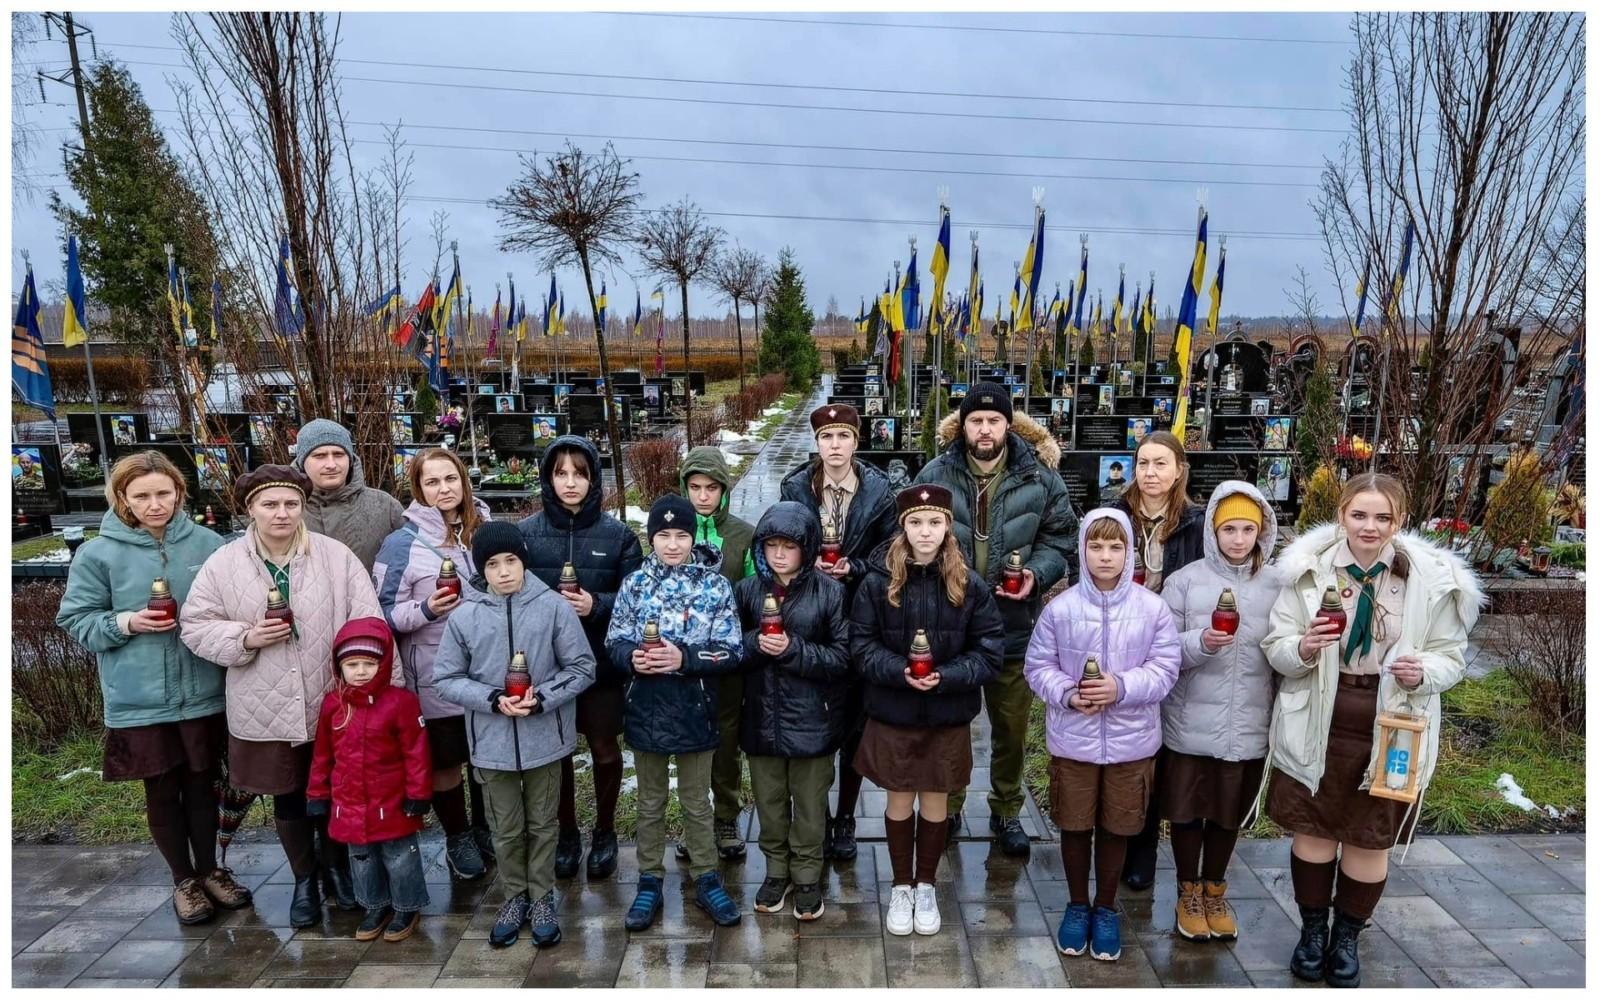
1072, 937
711, 897
542, 918
1105, 934
646, 904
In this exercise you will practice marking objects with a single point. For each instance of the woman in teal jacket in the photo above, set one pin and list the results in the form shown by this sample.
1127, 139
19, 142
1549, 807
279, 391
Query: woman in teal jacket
163, 705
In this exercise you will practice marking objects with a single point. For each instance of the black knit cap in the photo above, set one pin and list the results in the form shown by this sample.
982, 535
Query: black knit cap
497, 537
987, 396
671, 511
923, 496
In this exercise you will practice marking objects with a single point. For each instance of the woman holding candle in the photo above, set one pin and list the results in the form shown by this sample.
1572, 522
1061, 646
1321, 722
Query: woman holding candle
1409, 606
917, 744
417, 597
277, 671
163, 704
1214, 723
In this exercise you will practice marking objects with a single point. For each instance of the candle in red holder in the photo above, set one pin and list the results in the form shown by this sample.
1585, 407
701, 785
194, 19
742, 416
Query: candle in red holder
921, 659
518, 680
1091, 669
568, 583
1332, 609
1138, 569
161, 602
278, 607
652, 635
1225, 618
831, 546
771, 620
448, 578
211, 517
1011, 576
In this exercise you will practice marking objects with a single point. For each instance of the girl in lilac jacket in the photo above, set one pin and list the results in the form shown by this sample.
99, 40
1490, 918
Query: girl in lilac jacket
1103, 735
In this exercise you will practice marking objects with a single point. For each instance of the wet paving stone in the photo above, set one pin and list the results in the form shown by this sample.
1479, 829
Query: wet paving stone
304, 958
432, 943
114, 984
935, 961
855, 962
587, 956
761, 939
1024, 918
231, 957
29, 922
1266, 939
1492, 976
298, 984
844, 920
1507, 866
1428, 934
1563, 914
141, 960
79, 934
475, 958
1471, 898
1539, 957
132, 900
39, 970
1186, 963
735, 976
1133, 969
1017, 962
162, 925
669, 963
372, 976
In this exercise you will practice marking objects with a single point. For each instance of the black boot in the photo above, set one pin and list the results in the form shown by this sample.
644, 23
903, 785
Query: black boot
305, 909
334, 862
569, 853
1139, 868
1309, 954
602, 854
1344, 956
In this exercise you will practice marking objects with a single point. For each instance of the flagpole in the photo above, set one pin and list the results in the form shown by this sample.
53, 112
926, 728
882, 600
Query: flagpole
1150, 331
516, 341
1211, 358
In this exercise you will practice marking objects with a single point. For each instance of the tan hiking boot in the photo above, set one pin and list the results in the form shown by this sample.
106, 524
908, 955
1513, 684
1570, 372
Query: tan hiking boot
224, 891
1192, 913
1219, 915
190, 903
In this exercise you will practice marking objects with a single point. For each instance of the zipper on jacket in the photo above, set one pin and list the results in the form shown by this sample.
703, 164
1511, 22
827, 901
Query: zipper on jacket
1105, 656
511, 652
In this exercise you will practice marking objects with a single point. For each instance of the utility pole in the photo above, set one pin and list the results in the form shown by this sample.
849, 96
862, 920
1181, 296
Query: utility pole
65, 22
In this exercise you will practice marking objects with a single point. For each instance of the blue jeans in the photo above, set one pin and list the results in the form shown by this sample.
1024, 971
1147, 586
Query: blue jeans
389, 873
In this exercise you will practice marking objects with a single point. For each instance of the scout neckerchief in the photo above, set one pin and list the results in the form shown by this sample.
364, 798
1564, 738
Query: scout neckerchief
1361, 628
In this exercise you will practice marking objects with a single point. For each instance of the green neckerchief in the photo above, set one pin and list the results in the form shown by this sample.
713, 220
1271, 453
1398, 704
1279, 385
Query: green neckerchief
280, 580
1361, 628
986, 485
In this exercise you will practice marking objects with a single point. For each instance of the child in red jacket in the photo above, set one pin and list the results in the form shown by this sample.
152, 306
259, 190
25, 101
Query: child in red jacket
371, 762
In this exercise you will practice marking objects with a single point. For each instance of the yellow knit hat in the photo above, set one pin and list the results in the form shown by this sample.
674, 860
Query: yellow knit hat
1236, 507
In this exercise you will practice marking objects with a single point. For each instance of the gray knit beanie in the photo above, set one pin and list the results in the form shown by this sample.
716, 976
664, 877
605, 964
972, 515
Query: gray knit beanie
321, 432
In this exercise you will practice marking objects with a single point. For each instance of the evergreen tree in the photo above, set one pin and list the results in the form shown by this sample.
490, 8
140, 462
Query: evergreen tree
136, 197
1172, 358
1042, 375
787, 345
1318, 423
427, 404
929, 439
1086, 349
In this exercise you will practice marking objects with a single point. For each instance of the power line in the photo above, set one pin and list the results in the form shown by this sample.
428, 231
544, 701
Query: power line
1079, 32
794, 86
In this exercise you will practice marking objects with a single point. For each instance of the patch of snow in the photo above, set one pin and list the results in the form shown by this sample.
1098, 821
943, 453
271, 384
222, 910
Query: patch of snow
53, 556
1512, 793
774, 410
732, 459
725, 436
75, 773
638, 514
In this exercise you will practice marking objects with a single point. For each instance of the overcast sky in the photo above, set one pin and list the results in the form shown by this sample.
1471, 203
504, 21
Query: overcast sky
1280, 75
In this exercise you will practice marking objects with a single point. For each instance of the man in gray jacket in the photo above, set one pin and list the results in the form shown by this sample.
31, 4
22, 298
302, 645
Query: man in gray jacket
342, 505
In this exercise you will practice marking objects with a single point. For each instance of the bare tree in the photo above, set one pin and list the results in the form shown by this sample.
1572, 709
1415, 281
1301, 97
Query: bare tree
1471, 126
738, 276
26, 30
679, 243
1302, 302
439, 229
575, 207
396, 172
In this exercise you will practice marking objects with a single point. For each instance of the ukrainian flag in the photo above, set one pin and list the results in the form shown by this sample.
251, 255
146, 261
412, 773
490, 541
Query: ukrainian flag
30, 372
75, 324
940, 268
1083, 283
638, 313
384, 303
1032, 271
174, 298
1216, 293
1393, 307
552, 319
1116, 305
1361, 297
1186, 323
600, 305
216, 308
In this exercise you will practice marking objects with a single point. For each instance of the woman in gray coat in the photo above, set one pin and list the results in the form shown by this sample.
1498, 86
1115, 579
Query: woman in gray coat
1214, 722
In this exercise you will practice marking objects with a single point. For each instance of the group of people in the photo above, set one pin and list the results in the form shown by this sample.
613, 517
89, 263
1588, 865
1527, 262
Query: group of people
852, 621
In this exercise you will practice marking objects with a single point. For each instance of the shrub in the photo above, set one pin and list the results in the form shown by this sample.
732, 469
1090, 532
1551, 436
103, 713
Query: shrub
654, 464
55, 683
1518, 506
1543, 653
125, 381
1319, 501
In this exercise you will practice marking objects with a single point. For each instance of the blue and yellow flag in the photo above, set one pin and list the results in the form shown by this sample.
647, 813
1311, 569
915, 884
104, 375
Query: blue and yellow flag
216, 309
552, 318
191, 336
1216, 292
1361, 298
75, 324
1083, 286
638, 312
1094, 323
911, 301
1066, 313
1392, 307
862, 316
1032, 272
1135, 317
1055, 310
1187, 309
600, 306
446, 301
286, 309
977, 311
561, 314
1016, 299
174, 296
1116, 305
940, 268
387, 302
30, 372
974, 295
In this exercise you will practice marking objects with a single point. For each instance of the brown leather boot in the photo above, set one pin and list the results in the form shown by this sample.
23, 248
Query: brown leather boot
224, 891
1191, 921
190, 903
1219, 915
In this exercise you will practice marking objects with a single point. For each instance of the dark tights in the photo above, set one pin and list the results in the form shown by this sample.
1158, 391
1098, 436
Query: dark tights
450, 806
181, 806
607, 773
1109, 850
849, 778
1202, 837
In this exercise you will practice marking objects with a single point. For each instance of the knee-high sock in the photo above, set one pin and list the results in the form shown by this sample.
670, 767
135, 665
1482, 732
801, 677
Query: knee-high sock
567, 807
1313, 882
849, 780
930, 847
1358, 899
902, 837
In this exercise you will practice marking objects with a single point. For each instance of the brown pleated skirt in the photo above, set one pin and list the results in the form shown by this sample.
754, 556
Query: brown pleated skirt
1193, 787
268, 767
907, 759
137, 752
1341, 810
600, 709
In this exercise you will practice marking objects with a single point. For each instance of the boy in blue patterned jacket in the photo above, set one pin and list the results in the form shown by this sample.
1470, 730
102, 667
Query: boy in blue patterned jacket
670, 708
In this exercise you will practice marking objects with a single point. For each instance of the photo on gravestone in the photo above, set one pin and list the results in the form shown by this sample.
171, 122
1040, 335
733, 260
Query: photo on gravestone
486, 388
27, 468
402, 465
544, 427
1278, 434
1115, 471
1061, 406
678, 389
1107, 398
874, 406
958, 390
261, 429
652, 396
1259, 406
1138, 428
401, 428
122, 429
505, 404
36, 479
211, 469
1273, 480
881, 434
563, 392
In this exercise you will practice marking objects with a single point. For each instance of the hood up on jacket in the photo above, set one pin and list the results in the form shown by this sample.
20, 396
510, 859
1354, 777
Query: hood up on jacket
1267, 541
707, 460
787, 519
1306, 553
364, 628
1085, 579
589, 512
1029, 431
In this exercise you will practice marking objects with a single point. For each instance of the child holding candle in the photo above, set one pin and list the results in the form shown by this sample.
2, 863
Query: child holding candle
517, 744
674, 631
796, 676
1214, 723
917, 744
1103, 732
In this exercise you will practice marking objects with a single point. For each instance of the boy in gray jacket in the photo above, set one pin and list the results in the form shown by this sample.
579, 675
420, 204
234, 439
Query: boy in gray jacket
517, 743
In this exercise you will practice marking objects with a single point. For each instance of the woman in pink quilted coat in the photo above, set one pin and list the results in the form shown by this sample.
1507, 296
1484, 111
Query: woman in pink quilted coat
277, 673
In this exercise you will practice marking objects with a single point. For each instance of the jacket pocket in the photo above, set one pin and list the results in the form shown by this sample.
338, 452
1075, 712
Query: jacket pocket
1292, 711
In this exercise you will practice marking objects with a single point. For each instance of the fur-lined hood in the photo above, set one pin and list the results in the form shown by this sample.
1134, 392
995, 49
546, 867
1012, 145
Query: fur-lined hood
1429, 564
1034, 434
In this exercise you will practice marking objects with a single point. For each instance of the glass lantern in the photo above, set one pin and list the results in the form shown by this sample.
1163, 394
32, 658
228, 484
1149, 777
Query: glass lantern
1400, 736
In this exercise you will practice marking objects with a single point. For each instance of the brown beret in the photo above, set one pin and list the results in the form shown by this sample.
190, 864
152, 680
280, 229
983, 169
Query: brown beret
923, 496
835, 415
248, 485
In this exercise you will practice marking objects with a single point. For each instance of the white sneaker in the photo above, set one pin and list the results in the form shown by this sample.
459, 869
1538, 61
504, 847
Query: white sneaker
901, 907
926, 920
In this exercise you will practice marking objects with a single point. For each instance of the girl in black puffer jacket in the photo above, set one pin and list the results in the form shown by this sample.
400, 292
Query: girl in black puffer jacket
793, 712
572, 528
917, 744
